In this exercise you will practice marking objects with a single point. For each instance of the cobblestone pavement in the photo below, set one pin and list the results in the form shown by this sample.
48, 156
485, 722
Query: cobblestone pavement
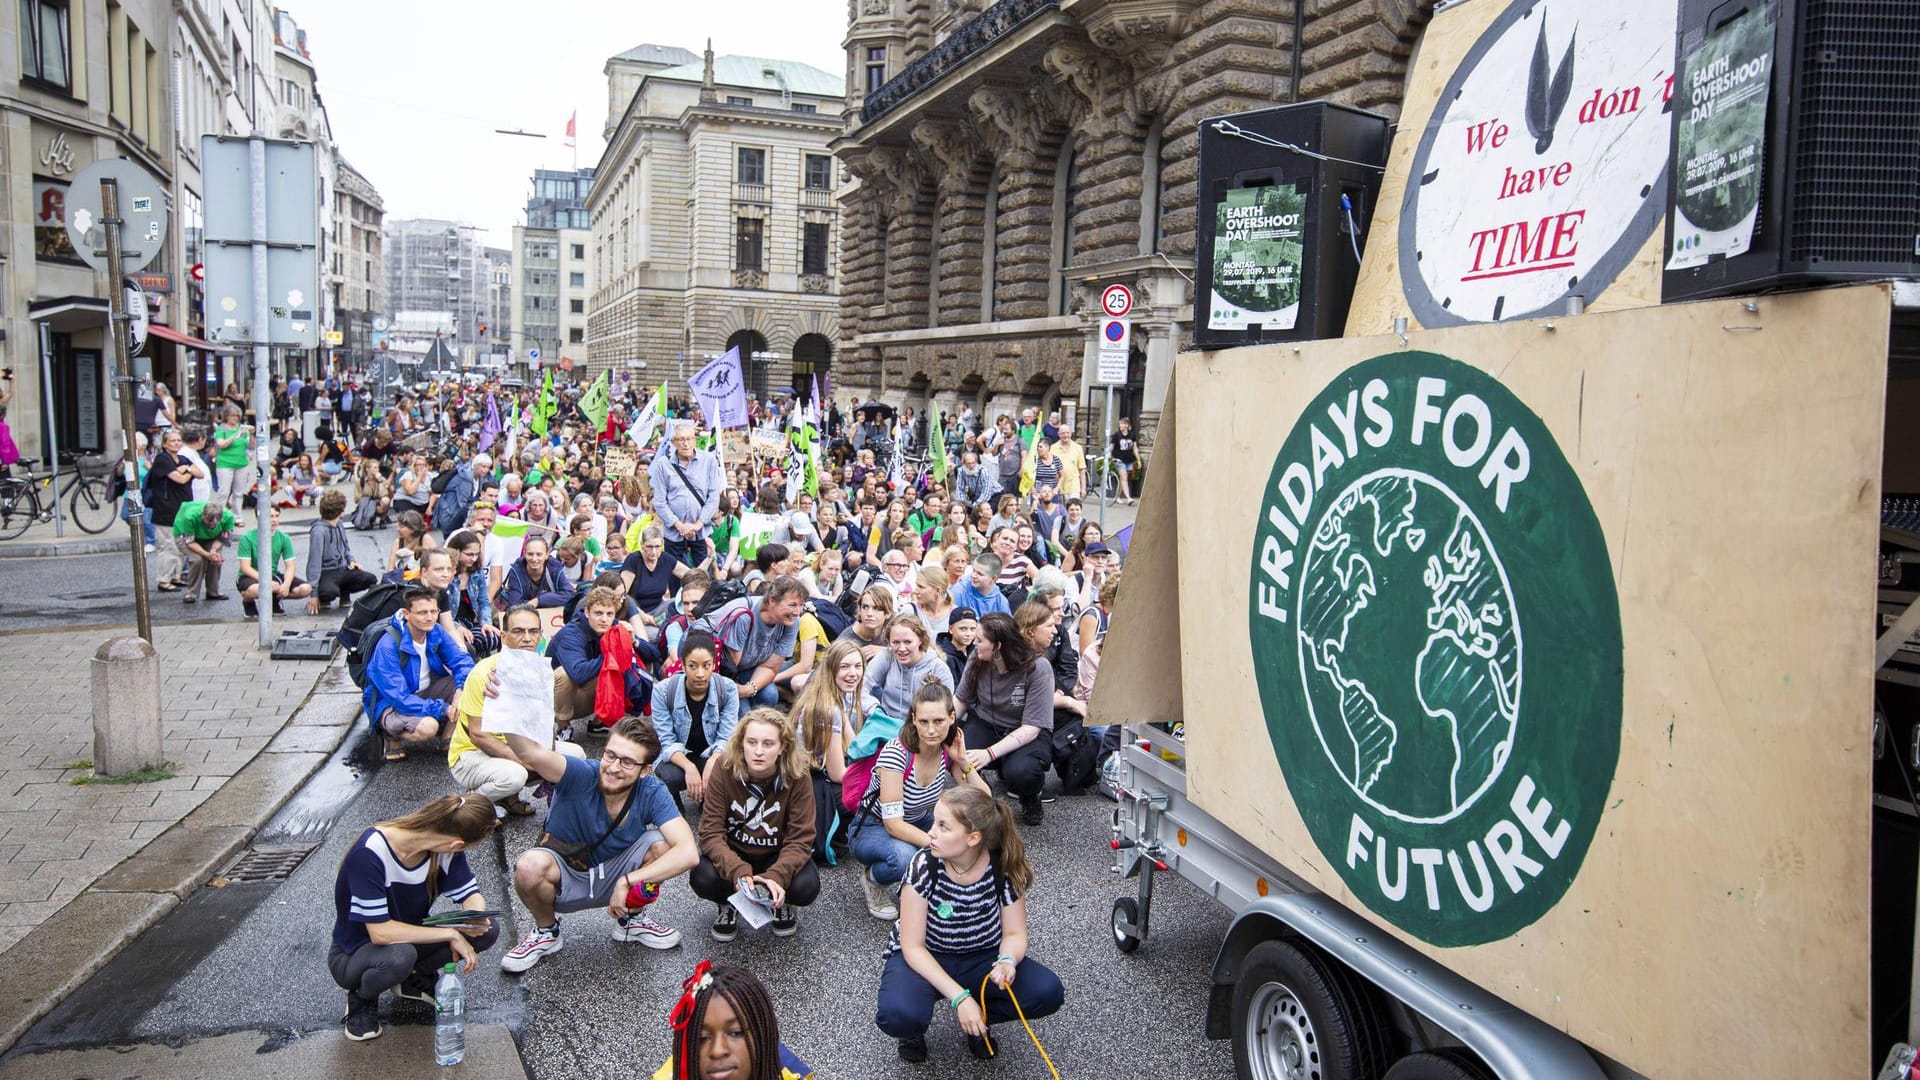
222, 700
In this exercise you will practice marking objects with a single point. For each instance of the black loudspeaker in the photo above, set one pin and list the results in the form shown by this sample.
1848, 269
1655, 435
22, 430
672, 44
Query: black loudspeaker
1822, 181
305, 645
1285, 197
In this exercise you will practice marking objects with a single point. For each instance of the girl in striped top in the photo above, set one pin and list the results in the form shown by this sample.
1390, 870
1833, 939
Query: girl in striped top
963, 930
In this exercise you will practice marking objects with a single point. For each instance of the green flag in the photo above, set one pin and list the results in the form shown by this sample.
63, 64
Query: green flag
937, 452
543, 409
593, 403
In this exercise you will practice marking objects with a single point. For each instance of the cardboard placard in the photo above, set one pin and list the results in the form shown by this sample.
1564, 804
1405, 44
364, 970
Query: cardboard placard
620, 462
1548, 650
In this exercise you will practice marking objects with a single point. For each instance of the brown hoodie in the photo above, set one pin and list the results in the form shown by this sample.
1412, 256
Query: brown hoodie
738, 822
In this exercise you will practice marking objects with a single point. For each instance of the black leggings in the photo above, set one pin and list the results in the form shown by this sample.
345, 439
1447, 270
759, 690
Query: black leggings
342, 583
1024, 771
708, 884
371, 970
826, 803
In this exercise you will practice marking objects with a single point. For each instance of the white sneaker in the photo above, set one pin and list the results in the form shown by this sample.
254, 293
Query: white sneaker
641, 927
150, 549
880, 903
539, 942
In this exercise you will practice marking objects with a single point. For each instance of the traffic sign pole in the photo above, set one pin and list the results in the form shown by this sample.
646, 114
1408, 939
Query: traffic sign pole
123, 379
262, 406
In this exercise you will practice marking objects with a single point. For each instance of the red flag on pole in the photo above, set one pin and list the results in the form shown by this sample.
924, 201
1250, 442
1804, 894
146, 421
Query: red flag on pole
570, 120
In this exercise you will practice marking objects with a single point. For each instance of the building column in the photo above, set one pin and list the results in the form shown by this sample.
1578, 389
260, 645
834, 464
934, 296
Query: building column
959, 218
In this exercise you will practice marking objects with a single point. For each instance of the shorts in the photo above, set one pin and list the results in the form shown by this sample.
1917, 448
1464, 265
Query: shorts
579, 891
395, 722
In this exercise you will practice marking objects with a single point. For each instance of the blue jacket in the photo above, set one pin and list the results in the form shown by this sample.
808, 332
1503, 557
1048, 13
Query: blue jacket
576, 648
964, 595
519, 586
393, 671
673, 721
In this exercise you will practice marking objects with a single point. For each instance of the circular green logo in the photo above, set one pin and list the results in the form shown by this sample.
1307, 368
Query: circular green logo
1436, 640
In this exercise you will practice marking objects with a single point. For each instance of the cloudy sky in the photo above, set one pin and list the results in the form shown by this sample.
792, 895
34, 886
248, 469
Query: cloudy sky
414, 90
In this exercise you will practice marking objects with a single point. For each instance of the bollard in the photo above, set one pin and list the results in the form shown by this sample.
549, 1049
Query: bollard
126, 706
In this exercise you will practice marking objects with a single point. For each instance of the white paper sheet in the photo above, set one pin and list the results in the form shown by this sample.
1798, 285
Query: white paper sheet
525, 704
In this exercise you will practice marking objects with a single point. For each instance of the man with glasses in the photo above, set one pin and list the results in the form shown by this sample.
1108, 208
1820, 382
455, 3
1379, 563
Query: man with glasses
482, 762
686, 494
613, 835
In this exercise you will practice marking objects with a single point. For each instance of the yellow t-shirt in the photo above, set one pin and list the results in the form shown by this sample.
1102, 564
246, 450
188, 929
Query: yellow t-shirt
809, 629
473, 697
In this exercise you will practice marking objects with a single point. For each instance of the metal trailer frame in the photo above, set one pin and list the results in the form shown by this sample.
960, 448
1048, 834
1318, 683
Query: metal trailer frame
1156, 829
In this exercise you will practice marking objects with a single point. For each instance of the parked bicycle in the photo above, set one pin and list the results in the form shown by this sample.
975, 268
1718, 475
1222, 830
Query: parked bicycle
1103, 474
28, 500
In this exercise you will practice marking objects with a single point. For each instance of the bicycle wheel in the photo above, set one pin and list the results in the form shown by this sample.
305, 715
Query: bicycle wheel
18, 508
93, 506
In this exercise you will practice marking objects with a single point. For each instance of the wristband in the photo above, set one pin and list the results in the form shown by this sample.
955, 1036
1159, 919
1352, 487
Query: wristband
963, 995
1003, 958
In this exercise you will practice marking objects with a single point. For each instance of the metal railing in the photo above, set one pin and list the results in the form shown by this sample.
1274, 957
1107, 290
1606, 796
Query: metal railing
816, 199
983, 30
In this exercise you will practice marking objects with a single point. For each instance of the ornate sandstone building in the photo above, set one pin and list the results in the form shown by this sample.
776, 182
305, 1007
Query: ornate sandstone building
1009, 162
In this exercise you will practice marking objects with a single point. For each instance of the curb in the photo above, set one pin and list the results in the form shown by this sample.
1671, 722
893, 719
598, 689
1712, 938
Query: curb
81, 938
41, 550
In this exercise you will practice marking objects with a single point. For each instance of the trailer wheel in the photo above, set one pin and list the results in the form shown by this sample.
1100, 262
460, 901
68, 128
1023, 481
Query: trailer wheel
1449, 1064
1126, 913
1295, 1019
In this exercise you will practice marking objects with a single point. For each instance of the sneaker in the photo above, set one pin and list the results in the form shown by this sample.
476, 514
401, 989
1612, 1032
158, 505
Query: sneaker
979, 1047
880, 904
914, 1049
250, 609
785, 921
540, 941
499, 812
149, 549
361, 1021
1032, 810
641, 927
726, 923
417, 988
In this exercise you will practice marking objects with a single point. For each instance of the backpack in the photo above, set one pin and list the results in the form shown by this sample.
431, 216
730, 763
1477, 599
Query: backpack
833, 620
374, 607
366, 513
720, 595
859, 774
1076, 753
357, 658
451, 511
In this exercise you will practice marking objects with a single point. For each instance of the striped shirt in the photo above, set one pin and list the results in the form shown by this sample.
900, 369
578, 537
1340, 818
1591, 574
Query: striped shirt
960, 918
375, 886
919, 799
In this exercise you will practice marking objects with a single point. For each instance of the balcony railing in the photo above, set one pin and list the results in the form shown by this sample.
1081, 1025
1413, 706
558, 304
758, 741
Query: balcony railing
750, 193
816, 199
988, 27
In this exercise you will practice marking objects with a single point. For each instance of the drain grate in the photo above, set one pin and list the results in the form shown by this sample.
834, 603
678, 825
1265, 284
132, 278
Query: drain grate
267, 863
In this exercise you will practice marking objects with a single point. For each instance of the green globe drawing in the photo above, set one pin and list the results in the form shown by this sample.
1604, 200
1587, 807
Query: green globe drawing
1410, 646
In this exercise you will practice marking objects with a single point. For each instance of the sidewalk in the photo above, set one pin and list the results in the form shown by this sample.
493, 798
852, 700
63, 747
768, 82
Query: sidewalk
85, 868
40, 542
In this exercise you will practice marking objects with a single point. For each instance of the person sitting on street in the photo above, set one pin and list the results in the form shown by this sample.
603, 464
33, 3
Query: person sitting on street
909, 775
756, 635
413, 673
980, 593
200, 529
384, 889
908, 663
963, 629
535, 578
330, 564
481, 762
724, 1027
580, 651
612, 839
757, 824
1007, 690
868, 629
825, 717
286, 585
694, 714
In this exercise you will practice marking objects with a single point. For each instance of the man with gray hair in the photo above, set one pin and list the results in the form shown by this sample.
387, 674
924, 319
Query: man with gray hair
686, 494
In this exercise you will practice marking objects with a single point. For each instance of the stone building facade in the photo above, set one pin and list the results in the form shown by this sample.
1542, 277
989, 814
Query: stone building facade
1011, 161
714, 219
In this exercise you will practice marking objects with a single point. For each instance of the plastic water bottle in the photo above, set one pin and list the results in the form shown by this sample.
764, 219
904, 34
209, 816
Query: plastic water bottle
449, 1018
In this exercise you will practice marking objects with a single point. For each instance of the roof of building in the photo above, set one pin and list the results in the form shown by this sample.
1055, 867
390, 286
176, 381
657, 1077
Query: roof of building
759, 73
660, 54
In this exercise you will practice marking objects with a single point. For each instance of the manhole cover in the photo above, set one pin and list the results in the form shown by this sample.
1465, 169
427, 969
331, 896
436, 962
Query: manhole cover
266, 863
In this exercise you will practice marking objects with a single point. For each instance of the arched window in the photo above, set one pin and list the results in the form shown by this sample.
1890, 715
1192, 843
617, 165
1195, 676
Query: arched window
990, 247
1152, 187
1063, 208
754, 359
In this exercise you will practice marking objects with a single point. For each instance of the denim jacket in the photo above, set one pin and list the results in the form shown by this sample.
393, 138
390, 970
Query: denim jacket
672, 720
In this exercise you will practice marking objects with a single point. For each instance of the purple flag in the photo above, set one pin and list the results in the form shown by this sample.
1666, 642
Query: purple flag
490, 430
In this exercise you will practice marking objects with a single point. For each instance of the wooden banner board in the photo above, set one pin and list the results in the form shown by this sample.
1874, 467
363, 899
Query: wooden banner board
1149, 588
1548, 648
733, 445
768, 444
1513, 184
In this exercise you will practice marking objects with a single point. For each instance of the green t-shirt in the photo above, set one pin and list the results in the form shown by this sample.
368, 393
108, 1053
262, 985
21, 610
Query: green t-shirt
723, 533
922, 523
234, 454
187, 523
282, 549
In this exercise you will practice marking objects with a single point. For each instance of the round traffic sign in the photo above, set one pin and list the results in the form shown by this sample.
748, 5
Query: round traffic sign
143, 214
1117, 300
1114, 329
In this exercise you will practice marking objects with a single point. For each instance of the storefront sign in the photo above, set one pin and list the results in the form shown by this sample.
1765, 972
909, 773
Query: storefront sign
56, 155
50, 239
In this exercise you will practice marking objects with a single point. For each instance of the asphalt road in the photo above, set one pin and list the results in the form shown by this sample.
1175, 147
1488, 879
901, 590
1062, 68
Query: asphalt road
252, 957
86, 590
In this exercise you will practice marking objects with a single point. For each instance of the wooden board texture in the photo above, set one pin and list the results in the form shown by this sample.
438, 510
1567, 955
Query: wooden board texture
1140, 680
1719, 922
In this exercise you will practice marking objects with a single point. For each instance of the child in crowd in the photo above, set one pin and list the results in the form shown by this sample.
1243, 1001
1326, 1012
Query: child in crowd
909, 775
724, 1026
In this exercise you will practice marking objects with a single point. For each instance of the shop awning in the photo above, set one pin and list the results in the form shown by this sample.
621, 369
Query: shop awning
168, 333
70, 314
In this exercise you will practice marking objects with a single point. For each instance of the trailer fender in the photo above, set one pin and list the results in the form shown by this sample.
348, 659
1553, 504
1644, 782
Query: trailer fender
1514, 1044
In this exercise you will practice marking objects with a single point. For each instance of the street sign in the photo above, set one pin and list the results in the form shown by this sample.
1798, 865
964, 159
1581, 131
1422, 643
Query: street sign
1116, 340
293, 271
1116, 301
137, 318
335, 337
143, 211
533, 355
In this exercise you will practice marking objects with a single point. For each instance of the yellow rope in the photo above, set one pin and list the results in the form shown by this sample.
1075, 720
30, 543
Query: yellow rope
1022, 1013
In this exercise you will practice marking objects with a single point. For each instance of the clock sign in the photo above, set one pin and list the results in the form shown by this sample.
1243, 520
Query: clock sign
1543, 169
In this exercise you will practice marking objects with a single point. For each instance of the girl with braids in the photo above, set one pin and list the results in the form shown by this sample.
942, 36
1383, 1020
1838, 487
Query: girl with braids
962, 928
386, 885
724, 1029
827, 717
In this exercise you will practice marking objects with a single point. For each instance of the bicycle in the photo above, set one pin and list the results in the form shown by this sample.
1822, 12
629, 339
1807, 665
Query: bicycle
91, 503
1103, 474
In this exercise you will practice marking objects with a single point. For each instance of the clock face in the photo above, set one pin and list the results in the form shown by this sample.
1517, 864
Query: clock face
1543, 169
